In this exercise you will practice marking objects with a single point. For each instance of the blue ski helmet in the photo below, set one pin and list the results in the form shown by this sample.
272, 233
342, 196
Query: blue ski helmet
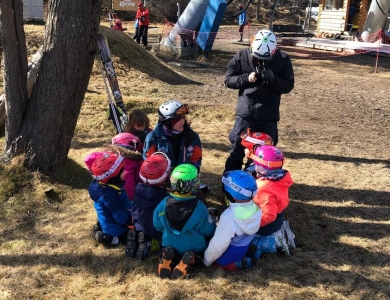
240, 185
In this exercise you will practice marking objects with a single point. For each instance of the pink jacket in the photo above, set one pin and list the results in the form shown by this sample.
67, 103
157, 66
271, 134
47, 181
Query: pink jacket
131, 176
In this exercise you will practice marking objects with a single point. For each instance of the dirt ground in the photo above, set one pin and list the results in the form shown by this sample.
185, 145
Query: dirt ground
334, 133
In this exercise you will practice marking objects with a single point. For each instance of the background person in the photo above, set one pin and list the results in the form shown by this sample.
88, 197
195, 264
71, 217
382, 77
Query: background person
241, 21
261, 74
143, 24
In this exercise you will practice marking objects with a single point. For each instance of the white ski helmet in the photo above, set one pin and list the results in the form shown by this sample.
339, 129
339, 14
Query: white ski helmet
172, 109
264, 45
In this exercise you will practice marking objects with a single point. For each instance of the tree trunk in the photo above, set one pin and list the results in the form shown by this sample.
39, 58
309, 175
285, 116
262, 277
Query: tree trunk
68, 53
258, 4
33, 68
15, 67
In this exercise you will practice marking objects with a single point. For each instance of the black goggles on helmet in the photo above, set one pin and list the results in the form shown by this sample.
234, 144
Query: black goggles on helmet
260, 62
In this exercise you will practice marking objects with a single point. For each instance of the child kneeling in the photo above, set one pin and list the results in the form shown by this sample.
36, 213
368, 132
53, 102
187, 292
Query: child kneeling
238, 224
273, 182
185, 224
110, 199
154, 172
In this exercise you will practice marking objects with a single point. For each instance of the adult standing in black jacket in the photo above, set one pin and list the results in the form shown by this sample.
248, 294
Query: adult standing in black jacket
261, 74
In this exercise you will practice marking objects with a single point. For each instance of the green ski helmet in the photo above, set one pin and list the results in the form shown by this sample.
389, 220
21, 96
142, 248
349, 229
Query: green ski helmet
185, 179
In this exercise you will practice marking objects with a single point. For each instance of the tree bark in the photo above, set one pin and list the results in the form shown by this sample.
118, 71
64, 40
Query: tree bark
33, 68
68, 53
15, 67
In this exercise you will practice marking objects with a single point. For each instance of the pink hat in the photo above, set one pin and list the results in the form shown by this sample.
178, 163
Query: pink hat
91, 157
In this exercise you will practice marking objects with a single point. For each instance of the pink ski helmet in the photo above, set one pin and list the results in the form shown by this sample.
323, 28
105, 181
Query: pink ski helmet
268, 157
126, 140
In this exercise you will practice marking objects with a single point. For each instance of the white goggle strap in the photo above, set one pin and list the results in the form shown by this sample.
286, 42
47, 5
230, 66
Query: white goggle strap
162, 178
111, 170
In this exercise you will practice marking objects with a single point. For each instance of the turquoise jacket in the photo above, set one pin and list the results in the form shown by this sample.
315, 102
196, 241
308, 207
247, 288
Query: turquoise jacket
195, 232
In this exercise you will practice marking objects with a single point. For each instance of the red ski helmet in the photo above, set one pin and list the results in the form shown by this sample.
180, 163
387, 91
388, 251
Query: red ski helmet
252, 139
107, 166
118, 22
126, 140
155, 169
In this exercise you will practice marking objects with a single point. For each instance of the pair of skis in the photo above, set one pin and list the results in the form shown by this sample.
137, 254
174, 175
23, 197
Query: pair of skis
117, 108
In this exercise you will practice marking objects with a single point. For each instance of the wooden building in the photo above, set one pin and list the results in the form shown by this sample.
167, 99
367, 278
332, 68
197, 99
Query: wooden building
341, 17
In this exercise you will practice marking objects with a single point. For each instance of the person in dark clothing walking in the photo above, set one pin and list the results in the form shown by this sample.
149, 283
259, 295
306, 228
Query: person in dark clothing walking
261, 74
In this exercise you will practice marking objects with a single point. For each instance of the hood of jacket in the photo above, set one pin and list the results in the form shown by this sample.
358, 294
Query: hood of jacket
247, 216
180, 213
149, 196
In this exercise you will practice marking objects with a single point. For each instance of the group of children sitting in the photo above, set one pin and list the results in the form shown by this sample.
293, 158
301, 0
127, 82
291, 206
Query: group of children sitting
148, 205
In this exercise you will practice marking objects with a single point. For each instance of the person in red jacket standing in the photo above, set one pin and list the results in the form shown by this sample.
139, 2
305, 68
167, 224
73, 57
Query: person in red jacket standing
143, 24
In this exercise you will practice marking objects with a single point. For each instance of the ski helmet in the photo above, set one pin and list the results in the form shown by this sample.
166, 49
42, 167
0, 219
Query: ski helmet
185, 179
126, 140
241, 6
107, 166
172, 109
240, 185
268, 157
118, 22
252, 139
264, 45
155, 169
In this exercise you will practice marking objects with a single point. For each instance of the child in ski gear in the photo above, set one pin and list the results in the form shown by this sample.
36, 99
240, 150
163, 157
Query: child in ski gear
126, 144
110, 199
139, 125
118, 25
185, 224
154, 172
273, 183
241, 21
238, 224
174, 136
143, 24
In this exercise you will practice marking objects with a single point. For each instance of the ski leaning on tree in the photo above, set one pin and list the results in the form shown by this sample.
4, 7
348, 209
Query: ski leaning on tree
117, 111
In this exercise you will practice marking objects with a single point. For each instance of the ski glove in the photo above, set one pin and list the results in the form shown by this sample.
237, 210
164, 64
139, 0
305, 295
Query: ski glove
268, 76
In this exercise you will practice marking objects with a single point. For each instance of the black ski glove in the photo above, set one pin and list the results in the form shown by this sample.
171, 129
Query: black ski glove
268, 76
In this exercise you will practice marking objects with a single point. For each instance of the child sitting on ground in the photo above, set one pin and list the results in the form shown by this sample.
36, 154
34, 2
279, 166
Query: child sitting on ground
154, 172
185, 224
238, 224
110, 199
139, 125
126, 144
273, 182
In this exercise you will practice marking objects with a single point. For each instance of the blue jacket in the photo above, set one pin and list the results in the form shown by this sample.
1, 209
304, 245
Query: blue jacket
145, 201
192, 233
112, 207
156, 140
242, 18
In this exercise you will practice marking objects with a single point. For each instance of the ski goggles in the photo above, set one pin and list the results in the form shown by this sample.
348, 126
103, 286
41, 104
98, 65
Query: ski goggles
260, 62
182, 111
267, 164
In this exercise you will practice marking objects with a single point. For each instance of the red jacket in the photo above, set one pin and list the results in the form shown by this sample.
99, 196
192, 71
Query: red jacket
272, 197
143, 12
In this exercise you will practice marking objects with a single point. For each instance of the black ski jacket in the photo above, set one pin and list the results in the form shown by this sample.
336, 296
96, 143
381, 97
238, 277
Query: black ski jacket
259, 100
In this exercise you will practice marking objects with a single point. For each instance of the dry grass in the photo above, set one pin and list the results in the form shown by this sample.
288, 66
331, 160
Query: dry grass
333, 130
